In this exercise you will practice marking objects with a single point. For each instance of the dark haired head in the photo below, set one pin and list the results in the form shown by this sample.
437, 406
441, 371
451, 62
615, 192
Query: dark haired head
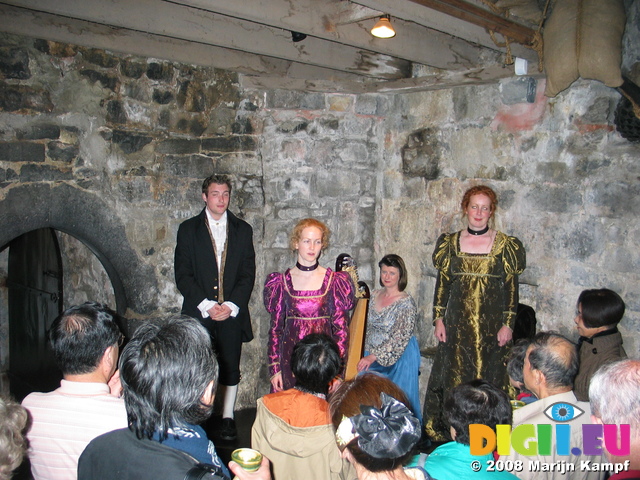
600, 308
166, 370
515, 362
218, 179
556, 357
476, 401
396, 261
348, 400
80, 336
314, 362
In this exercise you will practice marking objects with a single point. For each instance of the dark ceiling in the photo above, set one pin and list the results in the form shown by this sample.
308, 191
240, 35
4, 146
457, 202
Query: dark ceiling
439, 43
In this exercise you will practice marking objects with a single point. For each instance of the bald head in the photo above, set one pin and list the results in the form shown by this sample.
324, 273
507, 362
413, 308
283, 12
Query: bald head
556, 358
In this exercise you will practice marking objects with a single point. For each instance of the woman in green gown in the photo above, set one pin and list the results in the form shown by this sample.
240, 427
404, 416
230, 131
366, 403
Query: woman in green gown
474, 305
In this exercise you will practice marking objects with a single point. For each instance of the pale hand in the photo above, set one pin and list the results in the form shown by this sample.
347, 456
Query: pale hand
365, 362
219, 312
263, 473
440, 331
276, 382
505, 334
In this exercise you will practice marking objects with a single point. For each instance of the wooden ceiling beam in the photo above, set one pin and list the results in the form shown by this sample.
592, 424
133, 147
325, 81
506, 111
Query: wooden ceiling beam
483, 18
180, 22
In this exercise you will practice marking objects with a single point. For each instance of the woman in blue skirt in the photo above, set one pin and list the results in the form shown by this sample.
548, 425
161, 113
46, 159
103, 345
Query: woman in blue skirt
391, 347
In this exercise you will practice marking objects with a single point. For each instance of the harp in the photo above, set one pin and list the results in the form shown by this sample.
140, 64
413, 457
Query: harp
358, 324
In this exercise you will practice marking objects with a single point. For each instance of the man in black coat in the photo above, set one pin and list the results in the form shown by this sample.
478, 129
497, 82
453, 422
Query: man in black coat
215, 271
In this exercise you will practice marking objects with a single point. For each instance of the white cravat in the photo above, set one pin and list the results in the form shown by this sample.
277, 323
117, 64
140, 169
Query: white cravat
219, 234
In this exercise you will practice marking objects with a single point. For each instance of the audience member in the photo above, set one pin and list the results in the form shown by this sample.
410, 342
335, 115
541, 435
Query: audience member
479, 402
550, 365
515, 366
375, 429
13, 443
615, 399
293, 427
85, 340
598, 313
169, 375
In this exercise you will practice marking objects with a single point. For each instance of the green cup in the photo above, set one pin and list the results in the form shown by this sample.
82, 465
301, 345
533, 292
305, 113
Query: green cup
248, 458
516, 404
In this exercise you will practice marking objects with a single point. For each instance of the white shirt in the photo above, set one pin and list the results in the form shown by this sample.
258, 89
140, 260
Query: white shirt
65, 421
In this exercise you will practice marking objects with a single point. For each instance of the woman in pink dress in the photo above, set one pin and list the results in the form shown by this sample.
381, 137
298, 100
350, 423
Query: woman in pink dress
305, 299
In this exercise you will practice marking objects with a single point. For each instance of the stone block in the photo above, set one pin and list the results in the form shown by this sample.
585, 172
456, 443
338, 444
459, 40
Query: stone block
517, 90
188, 166
242, 126
62, 152
8, 175
293, 126
15, 98
421, 154
616, 199
22, 152
192, 97
340, 103
14, 63
290, 99
554, 199
179, 146
130, 142
99, 57
107, 80
116, 112
32, 172
194, 125
132, 68
39, 131
137, 90
162, 97
161, 72
239, 143
371, 104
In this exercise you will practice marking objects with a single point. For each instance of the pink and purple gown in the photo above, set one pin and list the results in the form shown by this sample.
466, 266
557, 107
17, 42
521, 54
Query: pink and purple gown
295, 314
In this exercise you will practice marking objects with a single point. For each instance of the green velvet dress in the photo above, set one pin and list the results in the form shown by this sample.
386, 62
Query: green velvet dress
476, 294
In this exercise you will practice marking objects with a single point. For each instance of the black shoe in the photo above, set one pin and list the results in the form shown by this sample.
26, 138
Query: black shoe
228, 430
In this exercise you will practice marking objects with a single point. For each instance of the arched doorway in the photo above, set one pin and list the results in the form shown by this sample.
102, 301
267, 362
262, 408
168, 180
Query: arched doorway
47, 271
34, 294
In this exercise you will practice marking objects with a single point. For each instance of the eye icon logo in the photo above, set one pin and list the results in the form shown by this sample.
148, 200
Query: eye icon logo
563, 412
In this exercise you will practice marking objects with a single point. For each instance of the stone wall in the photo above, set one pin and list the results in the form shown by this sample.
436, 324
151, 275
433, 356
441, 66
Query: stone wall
112, 150
567, 185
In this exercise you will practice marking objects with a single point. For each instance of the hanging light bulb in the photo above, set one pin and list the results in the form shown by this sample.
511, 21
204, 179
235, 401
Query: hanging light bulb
383, 28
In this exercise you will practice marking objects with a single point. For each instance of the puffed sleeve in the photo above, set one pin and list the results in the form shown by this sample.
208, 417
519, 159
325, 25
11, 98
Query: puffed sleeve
514, 260
442, 261
274, 303
343, 300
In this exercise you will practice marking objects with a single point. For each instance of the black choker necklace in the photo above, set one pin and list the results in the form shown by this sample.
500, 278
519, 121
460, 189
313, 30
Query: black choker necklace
307, 269
478, 232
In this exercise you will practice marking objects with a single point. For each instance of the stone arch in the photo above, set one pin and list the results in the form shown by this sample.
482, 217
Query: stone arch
84, 215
